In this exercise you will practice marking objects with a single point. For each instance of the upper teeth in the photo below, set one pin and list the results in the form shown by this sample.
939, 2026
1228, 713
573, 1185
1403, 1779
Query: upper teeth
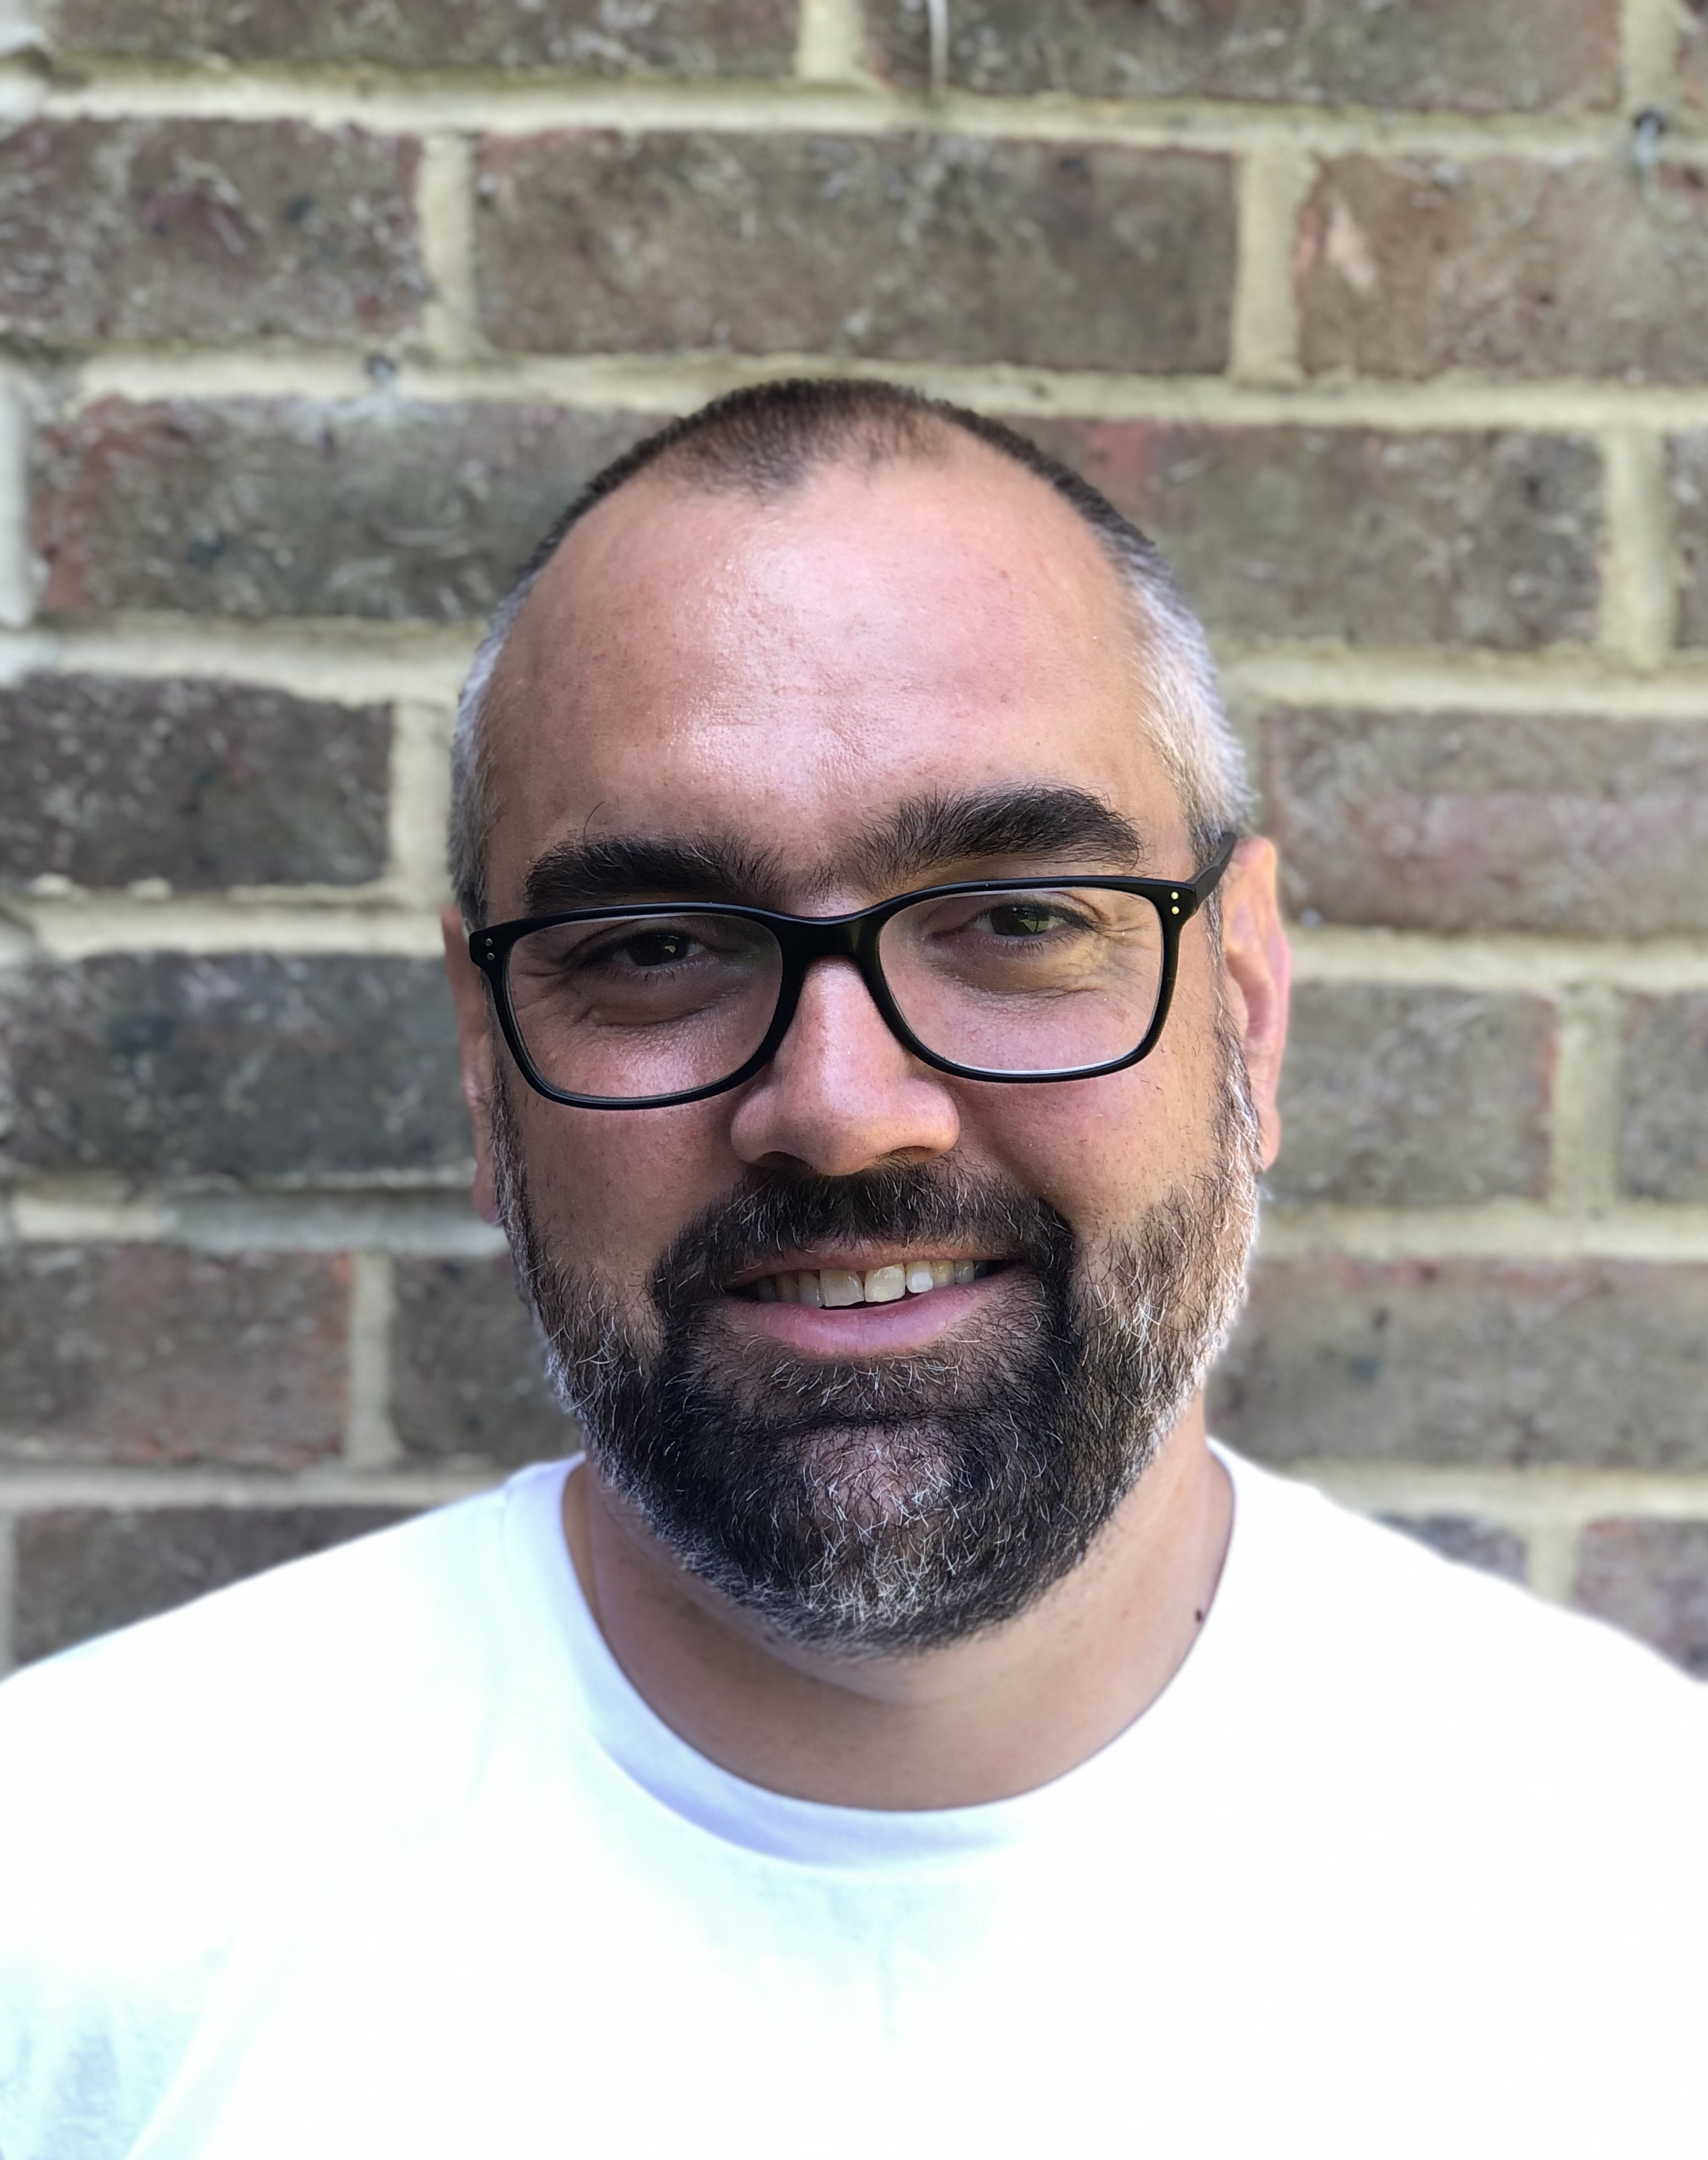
876, 1286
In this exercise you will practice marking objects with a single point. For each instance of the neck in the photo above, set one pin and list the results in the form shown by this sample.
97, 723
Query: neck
978, 1721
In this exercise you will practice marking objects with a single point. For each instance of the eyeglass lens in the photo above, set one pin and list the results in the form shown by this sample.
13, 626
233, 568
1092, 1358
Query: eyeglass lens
1051, 979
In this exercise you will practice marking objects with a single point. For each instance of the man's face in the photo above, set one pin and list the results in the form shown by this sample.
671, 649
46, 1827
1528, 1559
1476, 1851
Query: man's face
812, 704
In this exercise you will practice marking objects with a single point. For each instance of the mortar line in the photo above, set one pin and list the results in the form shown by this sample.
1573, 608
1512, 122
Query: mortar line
830, 44
192, 1485
18, 583
1639, 600
1486, 683
370, 1440
8, 1591
674, 384
445, 211
1648, 46
1583, 1168
83, 926
419, 804
1551, 1558
77, 1210
341, 661
516, 102
1274, 180
1511, 960
1634, 1232
1534, 1497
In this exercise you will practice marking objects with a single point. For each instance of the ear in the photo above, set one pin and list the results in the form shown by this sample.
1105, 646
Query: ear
1259, 976
475, 1032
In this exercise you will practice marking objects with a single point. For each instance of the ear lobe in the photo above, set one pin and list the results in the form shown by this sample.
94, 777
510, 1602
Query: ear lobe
474, 1036
1259, 966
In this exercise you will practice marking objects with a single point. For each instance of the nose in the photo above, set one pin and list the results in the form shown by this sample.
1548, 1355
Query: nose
841, 1094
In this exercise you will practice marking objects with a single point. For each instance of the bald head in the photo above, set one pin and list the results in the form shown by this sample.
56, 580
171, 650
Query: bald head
843, 542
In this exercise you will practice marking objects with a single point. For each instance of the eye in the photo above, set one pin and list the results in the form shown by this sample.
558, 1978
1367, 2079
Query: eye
1026, 918
658, 948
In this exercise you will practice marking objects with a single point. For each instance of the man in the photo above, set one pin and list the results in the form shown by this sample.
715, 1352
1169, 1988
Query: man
903, 1733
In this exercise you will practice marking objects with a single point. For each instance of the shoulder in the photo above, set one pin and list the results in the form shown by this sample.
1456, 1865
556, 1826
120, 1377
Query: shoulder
284, 1697
1374, 1621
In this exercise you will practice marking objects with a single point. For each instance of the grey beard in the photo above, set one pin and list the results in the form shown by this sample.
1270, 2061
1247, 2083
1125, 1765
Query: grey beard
901, 1503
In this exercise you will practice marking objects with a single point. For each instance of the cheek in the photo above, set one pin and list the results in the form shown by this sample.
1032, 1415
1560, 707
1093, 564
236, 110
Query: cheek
615, 1187
1101, 1151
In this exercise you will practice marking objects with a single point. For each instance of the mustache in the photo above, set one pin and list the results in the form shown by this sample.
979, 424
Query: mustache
914, 1204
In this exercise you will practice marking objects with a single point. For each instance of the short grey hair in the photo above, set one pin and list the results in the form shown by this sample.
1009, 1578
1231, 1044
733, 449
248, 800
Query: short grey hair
764, 439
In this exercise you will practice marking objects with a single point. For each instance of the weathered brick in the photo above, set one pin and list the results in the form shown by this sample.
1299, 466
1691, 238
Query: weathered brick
265, 507
904, 248
1663, 1100
1468, 1539
205, 783
589, 36
1347, 533
468, 1373
212, 229
1527, 56
1687, 473
1491, 821
140, 1353
1403, 1096
240, 1065
83, 1571
1693, 53
1595, 1362
1410, 267
1651, 1579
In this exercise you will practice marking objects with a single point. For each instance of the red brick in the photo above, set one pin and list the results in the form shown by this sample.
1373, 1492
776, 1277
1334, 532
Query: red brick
1601, 1363
1469, 1541
1525, 55
1651, 1579
1505, 266
214, 230
468, 1368
643, 37
1687, 473
234, 1064
903, 247
143, 1353
1693, 55
270, 507
1350, 534
84, 1571
203, 783
1403, 1095
1664, 1101
1466, 821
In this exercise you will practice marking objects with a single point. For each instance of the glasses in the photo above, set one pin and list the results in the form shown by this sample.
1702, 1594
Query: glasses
641, 1007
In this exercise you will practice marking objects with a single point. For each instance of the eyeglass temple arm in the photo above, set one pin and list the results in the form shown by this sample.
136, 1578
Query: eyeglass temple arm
1205, 883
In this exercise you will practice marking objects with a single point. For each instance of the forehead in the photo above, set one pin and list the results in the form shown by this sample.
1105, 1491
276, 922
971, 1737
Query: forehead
788, 672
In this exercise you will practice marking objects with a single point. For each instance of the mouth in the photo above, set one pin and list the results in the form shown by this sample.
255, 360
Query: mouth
889, 1283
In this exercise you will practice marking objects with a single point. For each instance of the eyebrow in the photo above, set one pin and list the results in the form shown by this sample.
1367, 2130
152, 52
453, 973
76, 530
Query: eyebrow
928, 833
925, 836
597, 873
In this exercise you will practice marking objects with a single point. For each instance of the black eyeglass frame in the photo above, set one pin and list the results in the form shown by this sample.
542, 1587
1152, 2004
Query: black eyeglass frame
805, 938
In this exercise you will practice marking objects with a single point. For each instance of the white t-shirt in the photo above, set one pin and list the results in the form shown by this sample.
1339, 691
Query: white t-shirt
381, 1855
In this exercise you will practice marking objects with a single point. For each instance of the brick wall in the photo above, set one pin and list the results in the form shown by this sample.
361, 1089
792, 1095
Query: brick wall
1392, 325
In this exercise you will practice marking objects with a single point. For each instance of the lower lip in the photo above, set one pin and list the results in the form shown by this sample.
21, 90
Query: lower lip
847, 1331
